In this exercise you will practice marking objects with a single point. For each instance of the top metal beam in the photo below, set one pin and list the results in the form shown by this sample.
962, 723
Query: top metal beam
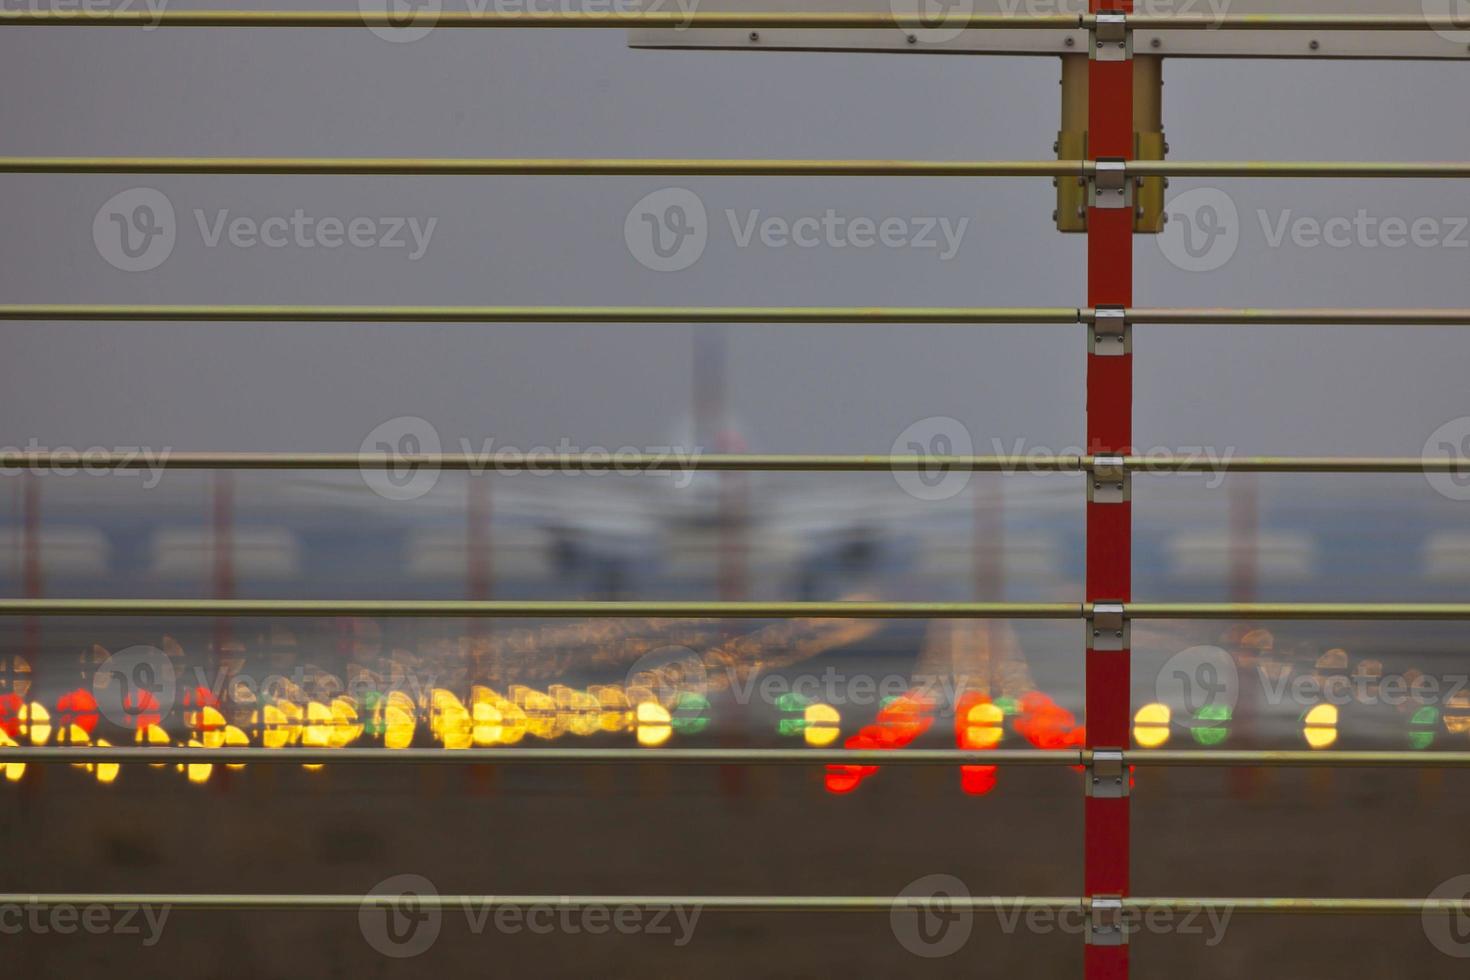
730, 19
1307, 29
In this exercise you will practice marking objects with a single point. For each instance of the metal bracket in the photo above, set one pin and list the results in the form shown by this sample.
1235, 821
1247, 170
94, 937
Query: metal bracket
1108, 481
1107, 776
1105, 925
1109, 186
1112, 38
1110, 334
1108, 626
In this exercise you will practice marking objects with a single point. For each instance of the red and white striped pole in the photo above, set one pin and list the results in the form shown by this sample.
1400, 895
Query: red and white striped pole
1109, 515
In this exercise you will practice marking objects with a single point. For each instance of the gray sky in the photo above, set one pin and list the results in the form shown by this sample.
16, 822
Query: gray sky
560, 240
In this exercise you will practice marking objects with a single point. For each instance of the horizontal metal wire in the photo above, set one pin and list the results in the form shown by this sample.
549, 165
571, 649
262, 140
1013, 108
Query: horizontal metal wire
1162, 463
559, 609
1384, 611
1295, 758
1298, 168
743, 903
1145, 758
1060, 315
773, 20
1292, 22
549, 314
649, 166
655, 462
542, 757
456, 608
543, 166
1324, 316
721, 19
505, 460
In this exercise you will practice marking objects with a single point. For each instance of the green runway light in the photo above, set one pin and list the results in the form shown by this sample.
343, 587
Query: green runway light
691, 714
1422, 727
1212, 734
372, 703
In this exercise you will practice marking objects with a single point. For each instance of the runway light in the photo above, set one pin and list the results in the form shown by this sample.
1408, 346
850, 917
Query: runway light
106, 771
78, 709
1151, 725
153, 734
979, 724
1457, 713
539, 709
486, 718
236, 738
821, 724
12, 706
13, 770
793, 713
984, 725
346, 729
615, 712
198, 772
1216, 727
1423, 726
280, 724
653, 724
1319, 726
691, 713
36, 723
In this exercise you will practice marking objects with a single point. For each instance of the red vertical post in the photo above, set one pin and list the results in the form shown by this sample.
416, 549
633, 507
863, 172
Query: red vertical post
1109, 525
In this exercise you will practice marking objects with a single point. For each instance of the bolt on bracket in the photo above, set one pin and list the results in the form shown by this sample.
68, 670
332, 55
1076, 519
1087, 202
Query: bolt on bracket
1109, 186
1112, 38
1107, 626
1110, 334
1109, 481
1105, 925
1107, 776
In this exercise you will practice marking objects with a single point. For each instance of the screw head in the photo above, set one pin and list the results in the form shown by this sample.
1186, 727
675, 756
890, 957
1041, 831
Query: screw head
913, 39
754, 36
1156, 43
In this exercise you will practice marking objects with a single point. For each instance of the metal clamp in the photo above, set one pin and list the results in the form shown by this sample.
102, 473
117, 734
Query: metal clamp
1110, 335
1109, 481
1107, 625
1107, 776
1109, 186
1105, 925
1112, 39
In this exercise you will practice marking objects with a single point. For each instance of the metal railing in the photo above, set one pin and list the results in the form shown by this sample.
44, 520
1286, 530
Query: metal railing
673, 167
1012, 315
868, 610
753, 20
